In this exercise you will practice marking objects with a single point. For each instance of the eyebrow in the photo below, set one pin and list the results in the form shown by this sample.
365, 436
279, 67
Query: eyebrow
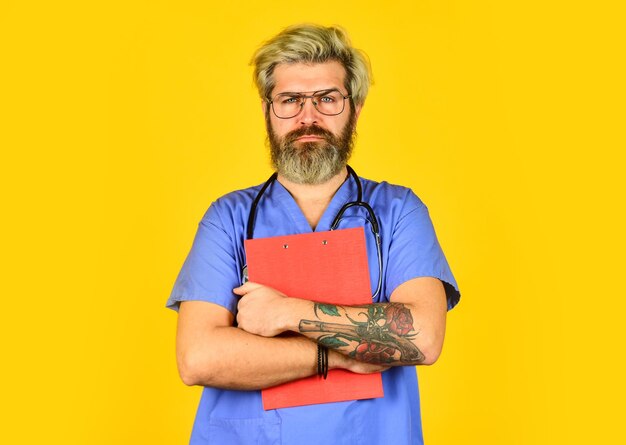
295, 93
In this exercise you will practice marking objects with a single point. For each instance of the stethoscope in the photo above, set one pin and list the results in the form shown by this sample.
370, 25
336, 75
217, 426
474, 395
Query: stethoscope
358, 203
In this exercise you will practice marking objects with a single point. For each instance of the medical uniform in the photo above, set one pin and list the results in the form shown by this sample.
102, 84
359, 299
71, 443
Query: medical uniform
214, 267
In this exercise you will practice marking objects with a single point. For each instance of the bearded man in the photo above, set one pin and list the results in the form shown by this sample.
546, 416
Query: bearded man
230, 337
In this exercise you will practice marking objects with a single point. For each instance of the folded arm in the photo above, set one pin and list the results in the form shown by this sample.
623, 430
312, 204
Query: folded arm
212, 352
407, 331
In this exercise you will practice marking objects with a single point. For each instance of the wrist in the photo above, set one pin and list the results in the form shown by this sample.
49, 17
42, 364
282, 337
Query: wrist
295, 310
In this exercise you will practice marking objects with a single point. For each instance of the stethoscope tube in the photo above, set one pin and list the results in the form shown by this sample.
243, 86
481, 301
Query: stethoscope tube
255, 203
358, 203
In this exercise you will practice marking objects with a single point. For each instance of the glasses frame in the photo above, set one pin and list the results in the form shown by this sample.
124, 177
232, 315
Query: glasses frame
311, 96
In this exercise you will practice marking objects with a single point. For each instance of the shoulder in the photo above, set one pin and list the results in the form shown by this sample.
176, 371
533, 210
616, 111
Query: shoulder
231, 207
397, 199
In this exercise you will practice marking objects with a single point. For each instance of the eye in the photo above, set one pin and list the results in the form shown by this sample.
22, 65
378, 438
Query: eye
288, 100
328, 99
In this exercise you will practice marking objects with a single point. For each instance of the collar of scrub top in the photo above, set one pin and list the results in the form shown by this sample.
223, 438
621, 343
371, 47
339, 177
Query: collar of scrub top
358, 203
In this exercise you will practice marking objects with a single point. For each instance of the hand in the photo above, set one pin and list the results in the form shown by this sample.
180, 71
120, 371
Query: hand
262, 310
338, 360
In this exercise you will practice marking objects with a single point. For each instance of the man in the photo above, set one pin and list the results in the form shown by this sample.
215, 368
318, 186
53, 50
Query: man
231, 336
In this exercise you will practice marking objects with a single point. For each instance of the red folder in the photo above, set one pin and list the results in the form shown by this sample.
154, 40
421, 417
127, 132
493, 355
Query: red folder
328, 267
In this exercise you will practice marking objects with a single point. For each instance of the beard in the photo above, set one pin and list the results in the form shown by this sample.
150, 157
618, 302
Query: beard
313, 162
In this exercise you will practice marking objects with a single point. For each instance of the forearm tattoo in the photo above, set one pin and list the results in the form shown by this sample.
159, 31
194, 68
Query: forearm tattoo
383, 336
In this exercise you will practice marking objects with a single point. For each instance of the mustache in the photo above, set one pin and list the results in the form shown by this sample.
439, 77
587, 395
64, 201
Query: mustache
306, 131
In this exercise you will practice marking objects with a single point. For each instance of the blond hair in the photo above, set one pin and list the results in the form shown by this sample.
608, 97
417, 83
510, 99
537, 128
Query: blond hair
308, 43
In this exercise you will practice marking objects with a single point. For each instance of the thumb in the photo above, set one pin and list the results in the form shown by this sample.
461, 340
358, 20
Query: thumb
246, 288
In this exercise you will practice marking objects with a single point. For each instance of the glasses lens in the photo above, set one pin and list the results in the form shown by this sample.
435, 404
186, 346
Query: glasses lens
287, 105
329, 102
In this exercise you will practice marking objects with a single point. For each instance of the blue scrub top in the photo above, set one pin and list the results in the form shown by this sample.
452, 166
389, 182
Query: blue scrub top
213, 268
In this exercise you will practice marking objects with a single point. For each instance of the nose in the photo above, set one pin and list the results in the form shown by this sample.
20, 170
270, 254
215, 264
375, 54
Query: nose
309, 114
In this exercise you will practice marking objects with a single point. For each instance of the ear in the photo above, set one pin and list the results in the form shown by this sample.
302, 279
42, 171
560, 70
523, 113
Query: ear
357, 111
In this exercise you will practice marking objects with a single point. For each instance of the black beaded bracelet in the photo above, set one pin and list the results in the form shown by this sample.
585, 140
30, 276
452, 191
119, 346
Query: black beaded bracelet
319, 360
322, 361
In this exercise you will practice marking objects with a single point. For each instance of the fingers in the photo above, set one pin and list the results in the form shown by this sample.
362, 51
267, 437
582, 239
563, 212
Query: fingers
339, 360
246, 288
368, 368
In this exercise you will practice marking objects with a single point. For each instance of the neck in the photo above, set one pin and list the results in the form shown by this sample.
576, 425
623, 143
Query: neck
313, 199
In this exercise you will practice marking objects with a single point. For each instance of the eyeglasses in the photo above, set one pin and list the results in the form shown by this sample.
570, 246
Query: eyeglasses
328, 102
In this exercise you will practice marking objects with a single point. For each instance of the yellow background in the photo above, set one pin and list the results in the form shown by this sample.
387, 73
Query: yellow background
122, 121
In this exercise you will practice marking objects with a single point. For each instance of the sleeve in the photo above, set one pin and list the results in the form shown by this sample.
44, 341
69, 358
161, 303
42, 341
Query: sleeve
415, 251
210, 271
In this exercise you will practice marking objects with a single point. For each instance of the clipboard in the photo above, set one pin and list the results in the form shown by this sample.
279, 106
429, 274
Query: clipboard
327, 267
